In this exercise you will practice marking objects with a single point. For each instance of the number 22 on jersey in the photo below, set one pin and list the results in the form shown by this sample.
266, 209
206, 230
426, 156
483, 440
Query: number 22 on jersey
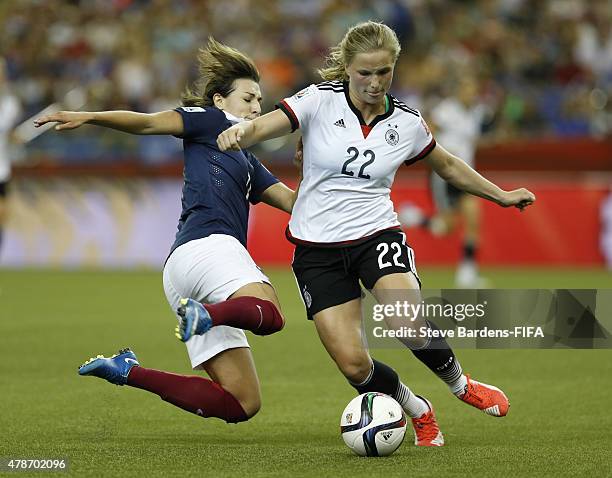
353, 156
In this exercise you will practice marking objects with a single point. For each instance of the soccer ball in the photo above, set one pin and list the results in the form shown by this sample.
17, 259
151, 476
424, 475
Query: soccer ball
373, 424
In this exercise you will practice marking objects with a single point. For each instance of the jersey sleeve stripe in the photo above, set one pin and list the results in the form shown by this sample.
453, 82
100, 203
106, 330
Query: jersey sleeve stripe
335, 83
328, 88
405, 108
285, 108
428, 149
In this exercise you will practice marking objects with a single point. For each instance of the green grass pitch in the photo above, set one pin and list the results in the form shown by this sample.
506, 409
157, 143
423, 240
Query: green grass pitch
559, 424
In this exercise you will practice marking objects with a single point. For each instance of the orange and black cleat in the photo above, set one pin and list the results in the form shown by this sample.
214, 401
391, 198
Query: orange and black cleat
487, 398
426, 429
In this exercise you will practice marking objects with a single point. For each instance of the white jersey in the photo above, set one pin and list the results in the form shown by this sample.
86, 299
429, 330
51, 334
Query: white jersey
458, 127
9, 113
349, 167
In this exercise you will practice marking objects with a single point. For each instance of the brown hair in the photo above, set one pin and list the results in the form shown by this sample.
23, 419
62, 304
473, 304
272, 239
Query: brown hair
361, 38
219, 66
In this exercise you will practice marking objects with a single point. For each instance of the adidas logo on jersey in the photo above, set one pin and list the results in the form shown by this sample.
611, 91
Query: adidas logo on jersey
340, 123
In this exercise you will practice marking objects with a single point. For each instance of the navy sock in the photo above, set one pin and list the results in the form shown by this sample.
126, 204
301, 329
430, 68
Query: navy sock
440, 358
382, 379
469, 251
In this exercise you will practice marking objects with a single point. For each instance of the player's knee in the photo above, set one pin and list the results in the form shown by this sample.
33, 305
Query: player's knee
251, 403
247, 394
414, 343
249, 397
272, 318
355, 368
279, 319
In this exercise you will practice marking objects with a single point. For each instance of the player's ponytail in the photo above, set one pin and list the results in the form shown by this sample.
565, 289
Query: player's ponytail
361, 38
219, 66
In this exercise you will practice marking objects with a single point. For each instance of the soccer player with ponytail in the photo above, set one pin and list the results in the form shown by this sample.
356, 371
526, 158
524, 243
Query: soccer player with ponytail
356, 136
209, 278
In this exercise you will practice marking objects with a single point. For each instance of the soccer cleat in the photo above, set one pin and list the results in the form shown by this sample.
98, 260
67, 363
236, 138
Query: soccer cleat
426, 429
114, 369
487, 398
467, 276
194, 320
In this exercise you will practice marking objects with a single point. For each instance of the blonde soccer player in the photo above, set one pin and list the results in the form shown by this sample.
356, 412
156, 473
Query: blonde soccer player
356, 135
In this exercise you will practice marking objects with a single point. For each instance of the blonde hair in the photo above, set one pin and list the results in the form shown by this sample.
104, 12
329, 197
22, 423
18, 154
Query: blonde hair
361, 38
219, 66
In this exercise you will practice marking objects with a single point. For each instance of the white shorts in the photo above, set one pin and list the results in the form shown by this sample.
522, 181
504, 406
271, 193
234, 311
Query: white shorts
210, 270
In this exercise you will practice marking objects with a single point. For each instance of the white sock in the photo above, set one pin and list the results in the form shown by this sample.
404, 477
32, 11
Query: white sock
414, 406
458, 387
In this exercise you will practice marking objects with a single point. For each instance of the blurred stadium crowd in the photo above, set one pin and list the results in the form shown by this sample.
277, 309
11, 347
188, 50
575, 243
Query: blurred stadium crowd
544, 67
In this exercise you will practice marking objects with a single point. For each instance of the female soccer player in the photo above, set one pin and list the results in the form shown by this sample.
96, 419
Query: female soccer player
457, 122
9, 113
208, 261
356, 135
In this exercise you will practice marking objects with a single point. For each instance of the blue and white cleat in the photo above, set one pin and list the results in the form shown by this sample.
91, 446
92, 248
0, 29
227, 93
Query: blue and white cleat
194, 320
114, 369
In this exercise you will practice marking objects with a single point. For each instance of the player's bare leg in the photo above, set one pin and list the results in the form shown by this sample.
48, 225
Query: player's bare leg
470, 210
234, 370
443, 223
253, 307
3, 218
261, 290
403, 287
339, 329
437, 355
467, 272
439, 224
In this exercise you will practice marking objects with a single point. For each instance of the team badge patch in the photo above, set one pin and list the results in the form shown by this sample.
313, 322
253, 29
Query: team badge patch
392, 137
307, 297
303, 93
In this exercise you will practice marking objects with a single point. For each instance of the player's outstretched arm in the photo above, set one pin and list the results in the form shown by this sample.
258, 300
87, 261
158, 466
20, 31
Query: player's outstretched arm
280, 196
247, 133
165, 122
459, 174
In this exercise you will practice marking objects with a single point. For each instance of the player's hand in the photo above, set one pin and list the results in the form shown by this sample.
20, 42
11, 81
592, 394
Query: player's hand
64, 119
229, 140
519, 198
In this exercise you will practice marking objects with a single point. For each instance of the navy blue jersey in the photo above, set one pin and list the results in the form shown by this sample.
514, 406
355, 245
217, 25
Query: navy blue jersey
218, 186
